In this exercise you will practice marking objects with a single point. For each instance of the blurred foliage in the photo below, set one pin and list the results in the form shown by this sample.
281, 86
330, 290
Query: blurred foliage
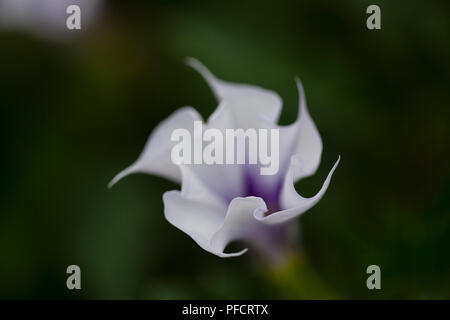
74, 113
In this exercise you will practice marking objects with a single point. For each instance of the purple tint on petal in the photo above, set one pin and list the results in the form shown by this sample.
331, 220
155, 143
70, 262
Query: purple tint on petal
269, 193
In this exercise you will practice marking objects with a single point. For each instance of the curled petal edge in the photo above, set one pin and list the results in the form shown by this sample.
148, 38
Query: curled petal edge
294, 203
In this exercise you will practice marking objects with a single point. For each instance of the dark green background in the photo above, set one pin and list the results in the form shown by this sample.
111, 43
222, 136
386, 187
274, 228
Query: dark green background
75, 113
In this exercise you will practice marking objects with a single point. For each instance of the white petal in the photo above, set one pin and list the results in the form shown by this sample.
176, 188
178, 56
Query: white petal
293, 203
239, 223
247, 102
196, 189
301, 139
308, 144
206, 225
224, 179
196, 219
155, 158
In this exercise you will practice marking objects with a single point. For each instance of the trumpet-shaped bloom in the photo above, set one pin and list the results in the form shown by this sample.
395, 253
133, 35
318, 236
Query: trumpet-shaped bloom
221, 203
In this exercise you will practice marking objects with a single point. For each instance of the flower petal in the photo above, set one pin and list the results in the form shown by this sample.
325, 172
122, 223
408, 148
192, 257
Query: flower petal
301, 139
272, 242
246, 101
224, 179
239, 223
197, 219
293, 203
196, 189
155, 158
308, 144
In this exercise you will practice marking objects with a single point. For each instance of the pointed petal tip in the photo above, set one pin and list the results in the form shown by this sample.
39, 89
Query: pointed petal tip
202, 69
196, 65
234, 254
131, 169
299, 84
115, 180
292, 210
330, 174
301, 96
190, 61
110, 184
337, 161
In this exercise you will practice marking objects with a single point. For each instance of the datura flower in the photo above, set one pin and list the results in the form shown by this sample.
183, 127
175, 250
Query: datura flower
222, 203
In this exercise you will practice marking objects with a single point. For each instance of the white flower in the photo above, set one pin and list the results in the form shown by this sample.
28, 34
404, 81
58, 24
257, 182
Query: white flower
218, 204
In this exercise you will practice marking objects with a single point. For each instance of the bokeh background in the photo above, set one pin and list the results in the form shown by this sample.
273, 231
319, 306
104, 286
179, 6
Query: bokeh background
78, 106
